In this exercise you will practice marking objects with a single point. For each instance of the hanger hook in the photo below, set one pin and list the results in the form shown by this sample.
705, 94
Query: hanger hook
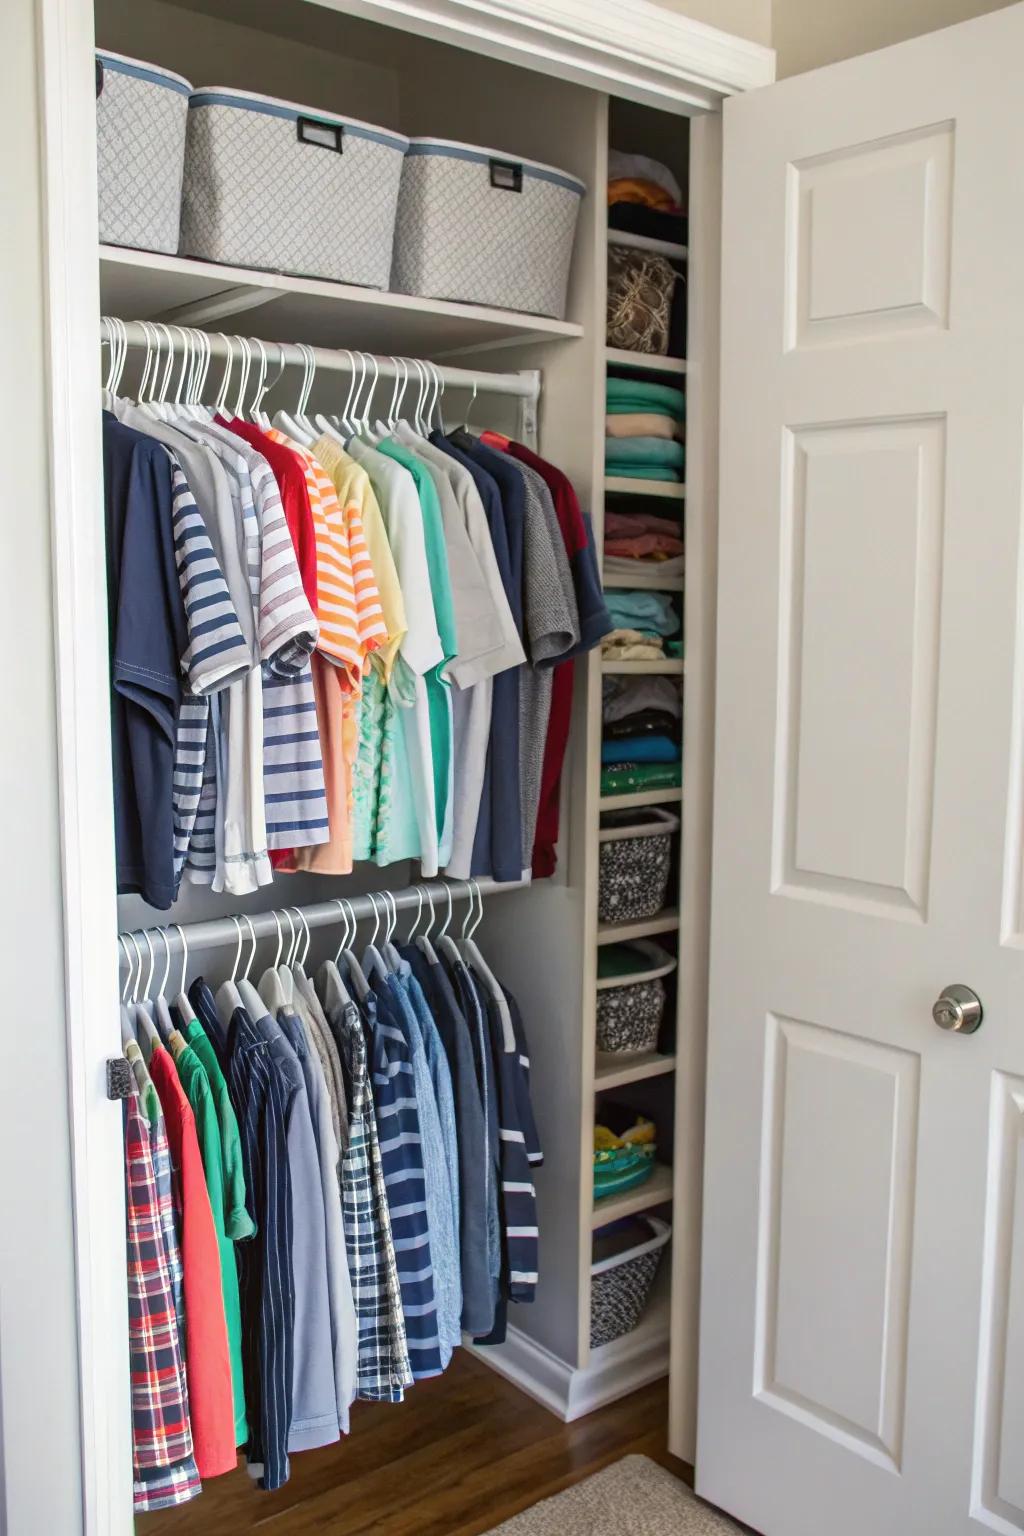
152, 962
128, 961
300, 931
238, 951
472, 402
428, 930
419, 913
221, 401
184, 954
475, 884
448, 897
392, 906
162, 988
280, 939
291, 934
247, 920
138, 955
308, 932
376, 918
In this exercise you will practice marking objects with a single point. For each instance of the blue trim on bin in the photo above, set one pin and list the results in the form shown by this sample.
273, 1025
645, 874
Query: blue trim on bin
292, 115
139, 72
539, 173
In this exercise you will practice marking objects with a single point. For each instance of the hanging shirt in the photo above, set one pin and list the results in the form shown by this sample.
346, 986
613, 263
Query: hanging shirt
207, 1355
148, 636
163, 1465
383, 1370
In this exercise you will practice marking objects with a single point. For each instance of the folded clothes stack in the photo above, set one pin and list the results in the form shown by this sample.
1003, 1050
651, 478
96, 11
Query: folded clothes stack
641, 744
643, 430
643, 623
633, 540
644, 198
625, 1148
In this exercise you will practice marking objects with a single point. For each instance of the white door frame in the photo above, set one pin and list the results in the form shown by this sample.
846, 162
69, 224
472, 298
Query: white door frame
630, 48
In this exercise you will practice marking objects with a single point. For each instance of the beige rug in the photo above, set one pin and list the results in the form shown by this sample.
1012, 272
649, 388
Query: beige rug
632, 1497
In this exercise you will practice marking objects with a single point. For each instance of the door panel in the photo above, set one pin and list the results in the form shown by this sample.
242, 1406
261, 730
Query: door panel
862, 1328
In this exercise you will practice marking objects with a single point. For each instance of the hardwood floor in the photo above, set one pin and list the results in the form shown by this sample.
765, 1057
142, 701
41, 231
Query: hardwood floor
460, 1455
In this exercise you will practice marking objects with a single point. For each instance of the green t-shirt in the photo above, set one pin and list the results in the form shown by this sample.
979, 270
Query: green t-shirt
438, 693
196, 1082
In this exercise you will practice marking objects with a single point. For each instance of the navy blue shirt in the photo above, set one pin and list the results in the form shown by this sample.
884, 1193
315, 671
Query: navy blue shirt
498, 844
148, 637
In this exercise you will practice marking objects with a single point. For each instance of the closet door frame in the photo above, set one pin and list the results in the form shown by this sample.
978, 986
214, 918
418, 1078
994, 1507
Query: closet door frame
680, 66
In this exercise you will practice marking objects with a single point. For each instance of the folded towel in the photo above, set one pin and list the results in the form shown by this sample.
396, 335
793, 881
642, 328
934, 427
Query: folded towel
645, 450
625, 696
630, 778
644, 722
640, 189
640, 749
643, 546
642, 424
623, 396
629, 564
623, 525
621, 164
653, 612
631, 645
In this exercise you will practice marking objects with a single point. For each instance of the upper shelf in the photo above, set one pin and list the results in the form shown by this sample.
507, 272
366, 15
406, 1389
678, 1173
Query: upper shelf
143, 285
669, 248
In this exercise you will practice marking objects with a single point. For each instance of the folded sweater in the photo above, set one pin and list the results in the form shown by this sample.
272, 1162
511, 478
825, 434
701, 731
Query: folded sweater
652, 612
645, 450
640, 749
642, 424
623, 396
627, 778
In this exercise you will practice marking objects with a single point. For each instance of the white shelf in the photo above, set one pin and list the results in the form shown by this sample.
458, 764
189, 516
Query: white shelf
646, 362
672, 666
624, 485
643, 928
656, 1191
143, 285
614, 1071
639, 798
670, 248
642, 582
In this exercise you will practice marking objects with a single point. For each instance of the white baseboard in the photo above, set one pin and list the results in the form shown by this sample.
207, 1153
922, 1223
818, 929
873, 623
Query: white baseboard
614, 1370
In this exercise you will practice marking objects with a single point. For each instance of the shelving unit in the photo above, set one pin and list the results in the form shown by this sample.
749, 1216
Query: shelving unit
672, 666
644, 581
642, 928
644, 362
621, 485
656, 1191
639, 799
668, 248
613, 1071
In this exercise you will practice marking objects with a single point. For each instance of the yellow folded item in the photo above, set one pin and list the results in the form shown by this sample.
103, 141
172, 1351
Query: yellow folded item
642, 424
637, 189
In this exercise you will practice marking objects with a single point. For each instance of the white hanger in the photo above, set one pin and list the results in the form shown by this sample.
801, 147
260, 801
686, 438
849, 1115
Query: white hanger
391, 954
228, 996
141, 1016
127, 1033
373, 960
444, 941
299, 426
471, 952
362, 418
117, 341
181, 1002
330, 968
419, 913
260, 416
251, 998
220, 404
353, 970
469, 407
423, 940
161, 1012
245, 351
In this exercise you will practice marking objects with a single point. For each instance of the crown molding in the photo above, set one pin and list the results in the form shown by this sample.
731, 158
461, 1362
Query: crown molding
631, 48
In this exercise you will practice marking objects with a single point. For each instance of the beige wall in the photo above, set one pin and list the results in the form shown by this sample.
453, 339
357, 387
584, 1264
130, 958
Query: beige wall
744, 18
806, 33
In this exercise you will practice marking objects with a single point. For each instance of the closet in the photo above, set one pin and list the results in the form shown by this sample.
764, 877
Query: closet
563, 102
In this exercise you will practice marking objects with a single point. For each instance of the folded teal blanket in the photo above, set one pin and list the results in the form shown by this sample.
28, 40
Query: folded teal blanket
640, 749
640, 471
624, 396
645, 450
653, 612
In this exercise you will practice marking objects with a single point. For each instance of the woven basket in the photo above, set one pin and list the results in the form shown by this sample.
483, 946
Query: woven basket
621, 1281
633, 864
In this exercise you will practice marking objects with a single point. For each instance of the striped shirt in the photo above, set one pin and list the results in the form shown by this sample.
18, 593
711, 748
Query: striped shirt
401, 1152
348, 603
163, 1464
383, 1370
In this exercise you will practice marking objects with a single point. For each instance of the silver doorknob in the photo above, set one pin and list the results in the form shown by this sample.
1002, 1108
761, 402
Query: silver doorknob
958, 1009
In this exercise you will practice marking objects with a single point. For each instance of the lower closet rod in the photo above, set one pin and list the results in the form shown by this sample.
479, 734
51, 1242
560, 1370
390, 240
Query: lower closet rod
217, 932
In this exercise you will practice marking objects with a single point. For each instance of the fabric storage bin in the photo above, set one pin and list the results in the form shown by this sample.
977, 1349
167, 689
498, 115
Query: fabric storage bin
633, 864
630, 1008
141, 111
285, 188
484, 228
627, 1256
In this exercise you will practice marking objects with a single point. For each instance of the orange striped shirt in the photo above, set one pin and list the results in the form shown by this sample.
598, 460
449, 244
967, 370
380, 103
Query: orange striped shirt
348, 603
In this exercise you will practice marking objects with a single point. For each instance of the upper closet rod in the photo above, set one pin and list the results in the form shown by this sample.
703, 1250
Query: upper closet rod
217, 932
524, 385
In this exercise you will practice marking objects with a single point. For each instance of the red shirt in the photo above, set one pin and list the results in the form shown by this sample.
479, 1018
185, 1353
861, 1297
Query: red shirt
207, 1362
291, 482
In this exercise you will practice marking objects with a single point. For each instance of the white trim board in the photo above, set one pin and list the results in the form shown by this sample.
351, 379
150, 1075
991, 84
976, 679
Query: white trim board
614, 1371
630, 48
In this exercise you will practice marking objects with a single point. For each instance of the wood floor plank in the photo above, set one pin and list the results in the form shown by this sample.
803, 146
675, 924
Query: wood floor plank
461, 1454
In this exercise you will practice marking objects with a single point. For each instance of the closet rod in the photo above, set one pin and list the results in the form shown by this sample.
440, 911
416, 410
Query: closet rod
218, 932
524, 385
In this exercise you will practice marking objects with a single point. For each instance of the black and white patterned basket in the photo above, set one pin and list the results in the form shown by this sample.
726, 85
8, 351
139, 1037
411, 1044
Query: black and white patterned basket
286, 188
621, 1280
140, 150
634, 863
484, 228
630, 1008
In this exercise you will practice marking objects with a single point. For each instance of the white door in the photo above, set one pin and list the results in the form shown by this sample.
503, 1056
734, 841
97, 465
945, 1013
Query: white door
862, 1335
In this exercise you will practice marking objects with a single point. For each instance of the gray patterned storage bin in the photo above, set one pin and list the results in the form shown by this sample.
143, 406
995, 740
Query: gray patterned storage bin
285, 188
484, 228
140, 148
633, 864
630, 1007
627, 1257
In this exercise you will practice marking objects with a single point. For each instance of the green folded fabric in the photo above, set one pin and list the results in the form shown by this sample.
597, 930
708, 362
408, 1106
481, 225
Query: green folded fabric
674, 649
644, 450
624, 396
630, 471
621, 959
627, 778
